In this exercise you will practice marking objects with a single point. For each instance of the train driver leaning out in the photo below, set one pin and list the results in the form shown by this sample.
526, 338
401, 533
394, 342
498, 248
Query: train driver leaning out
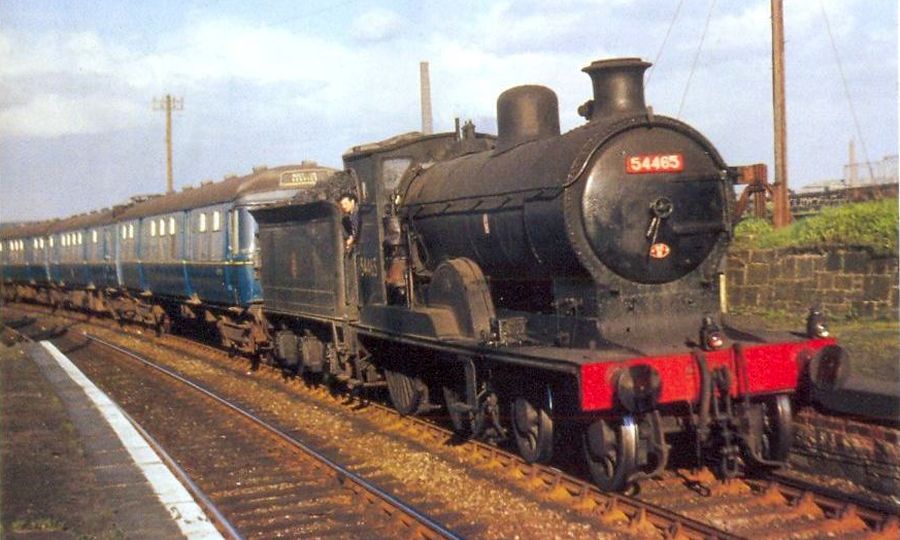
350, 210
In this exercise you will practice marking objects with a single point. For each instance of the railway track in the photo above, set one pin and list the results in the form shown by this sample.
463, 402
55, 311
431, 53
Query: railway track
257, 480
680, 504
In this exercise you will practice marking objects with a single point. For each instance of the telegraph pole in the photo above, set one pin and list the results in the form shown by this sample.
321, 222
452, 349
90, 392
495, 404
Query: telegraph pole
781, 200
169, 104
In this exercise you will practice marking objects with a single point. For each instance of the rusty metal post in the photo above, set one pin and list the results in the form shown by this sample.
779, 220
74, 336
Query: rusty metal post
782, 205
755, 177
425, 88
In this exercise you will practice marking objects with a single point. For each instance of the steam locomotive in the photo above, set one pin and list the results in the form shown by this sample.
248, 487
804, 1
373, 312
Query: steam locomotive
532, 285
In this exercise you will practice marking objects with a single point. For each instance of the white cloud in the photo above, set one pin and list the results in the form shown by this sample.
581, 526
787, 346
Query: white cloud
282, 86
52, 115
377, 24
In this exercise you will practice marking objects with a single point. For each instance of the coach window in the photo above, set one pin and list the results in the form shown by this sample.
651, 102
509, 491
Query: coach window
50, 241
152, 229
131, 231
217, 220
94, 236
80, 238
202, 226
172, 225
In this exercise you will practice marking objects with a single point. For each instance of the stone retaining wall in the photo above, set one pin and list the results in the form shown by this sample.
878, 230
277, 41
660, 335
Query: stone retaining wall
866, 454
846, 282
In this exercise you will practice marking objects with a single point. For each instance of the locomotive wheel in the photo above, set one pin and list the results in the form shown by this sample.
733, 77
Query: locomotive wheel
611, 453
534, 431
405, 391
778, 432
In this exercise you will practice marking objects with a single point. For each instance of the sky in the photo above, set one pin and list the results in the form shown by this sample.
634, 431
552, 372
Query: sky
278, 82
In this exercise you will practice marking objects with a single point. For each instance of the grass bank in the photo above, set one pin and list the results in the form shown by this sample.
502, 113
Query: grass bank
872, 225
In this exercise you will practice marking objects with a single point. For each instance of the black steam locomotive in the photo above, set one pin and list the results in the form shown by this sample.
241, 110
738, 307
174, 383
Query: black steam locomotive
532, 285
536, 284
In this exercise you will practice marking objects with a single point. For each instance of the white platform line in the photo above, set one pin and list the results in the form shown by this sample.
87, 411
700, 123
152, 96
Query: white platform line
175, 498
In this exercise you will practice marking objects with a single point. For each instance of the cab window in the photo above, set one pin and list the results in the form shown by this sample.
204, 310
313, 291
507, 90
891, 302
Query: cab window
392, 171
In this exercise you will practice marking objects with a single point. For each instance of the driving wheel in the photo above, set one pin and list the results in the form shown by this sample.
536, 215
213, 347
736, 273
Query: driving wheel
533, 430
611, 452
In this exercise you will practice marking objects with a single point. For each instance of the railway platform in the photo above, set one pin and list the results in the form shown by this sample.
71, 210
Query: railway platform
72, 466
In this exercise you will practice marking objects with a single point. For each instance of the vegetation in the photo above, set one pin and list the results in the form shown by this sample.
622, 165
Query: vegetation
871, 224
873, 345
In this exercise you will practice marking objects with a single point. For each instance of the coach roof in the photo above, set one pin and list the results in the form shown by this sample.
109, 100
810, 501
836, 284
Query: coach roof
208, 194
25, 230
97, 218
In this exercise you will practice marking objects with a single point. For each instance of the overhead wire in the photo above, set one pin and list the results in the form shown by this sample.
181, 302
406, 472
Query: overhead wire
664, 41
840, 65
687, 85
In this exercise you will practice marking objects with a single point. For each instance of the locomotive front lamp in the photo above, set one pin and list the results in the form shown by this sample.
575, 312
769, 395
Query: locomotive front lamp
816, 326
710, 335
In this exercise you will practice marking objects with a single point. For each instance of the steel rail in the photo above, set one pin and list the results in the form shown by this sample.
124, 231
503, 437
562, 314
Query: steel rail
663, 519
875, 512
212, 510
835, 498
343, 474
878, 514
178, 470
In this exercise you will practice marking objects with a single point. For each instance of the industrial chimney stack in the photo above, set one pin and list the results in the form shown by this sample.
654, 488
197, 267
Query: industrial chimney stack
425, 86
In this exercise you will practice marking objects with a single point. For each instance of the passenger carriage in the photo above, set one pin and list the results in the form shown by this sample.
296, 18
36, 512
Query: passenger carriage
23, 256
191, 254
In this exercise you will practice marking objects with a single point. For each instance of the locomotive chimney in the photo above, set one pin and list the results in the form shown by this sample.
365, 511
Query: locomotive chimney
526, 113
618, 88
